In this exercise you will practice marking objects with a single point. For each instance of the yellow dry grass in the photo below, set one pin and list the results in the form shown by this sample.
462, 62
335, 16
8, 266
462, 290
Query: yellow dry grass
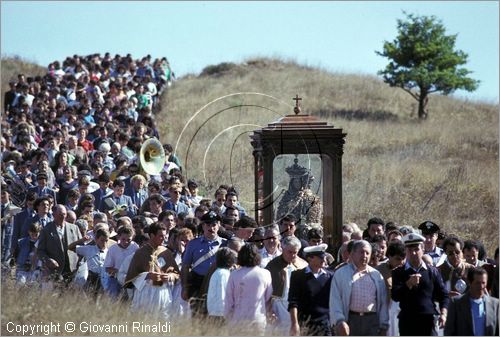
38, 309
13, 66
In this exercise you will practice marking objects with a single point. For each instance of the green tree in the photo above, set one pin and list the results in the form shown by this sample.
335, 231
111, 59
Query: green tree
423, 60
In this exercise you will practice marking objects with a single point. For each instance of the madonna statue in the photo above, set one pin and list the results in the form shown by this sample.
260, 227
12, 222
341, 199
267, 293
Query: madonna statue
300, 200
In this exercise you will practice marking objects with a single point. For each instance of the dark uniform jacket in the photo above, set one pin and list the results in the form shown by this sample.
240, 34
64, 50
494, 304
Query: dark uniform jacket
420, 299
310, 295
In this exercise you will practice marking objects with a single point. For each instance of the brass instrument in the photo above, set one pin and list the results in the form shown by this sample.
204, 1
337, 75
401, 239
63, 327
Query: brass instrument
16, 188
11, 211
152, 156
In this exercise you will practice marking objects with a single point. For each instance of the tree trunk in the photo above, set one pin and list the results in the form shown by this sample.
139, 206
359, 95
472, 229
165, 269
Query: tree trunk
422, 104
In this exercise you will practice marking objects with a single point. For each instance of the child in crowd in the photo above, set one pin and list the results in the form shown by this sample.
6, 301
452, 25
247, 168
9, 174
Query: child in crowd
95, 255
27, 270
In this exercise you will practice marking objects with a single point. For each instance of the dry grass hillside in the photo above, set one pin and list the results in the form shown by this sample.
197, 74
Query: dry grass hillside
394, 166
13, 66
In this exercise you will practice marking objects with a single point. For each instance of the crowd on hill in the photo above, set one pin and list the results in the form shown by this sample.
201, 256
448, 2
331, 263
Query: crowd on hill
79, 211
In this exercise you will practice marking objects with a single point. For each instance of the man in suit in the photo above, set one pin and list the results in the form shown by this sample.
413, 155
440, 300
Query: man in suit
53, 243
137, 192
308, 298
42, 214
475, 313
174, 203
20, 231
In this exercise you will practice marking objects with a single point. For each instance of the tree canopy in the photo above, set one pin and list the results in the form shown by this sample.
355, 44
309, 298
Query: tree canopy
423, 60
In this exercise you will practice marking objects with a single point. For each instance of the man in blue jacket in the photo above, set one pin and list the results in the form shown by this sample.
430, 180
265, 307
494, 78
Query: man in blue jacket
358, 296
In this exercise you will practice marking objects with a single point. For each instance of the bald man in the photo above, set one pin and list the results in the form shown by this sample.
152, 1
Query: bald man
59, 262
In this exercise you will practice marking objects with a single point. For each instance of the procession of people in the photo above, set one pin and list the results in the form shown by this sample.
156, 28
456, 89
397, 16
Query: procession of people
80, 212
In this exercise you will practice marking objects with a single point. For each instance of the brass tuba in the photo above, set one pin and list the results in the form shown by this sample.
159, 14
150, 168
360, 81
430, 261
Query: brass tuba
17, 189
152, 156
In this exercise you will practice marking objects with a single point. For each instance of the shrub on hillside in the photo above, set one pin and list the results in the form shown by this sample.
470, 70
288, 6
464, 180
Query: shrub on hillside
218, 69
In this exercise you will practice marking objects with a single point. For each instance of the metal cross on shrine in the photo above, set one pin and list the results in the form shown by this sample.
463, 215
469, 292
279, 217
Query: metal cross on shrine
297, 106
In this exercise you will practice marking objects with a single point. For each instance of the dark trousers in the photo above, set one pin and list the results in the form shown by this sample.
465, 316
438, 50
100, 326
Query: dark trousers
417, 325
197, 302
114, 288
93, 284
366, 325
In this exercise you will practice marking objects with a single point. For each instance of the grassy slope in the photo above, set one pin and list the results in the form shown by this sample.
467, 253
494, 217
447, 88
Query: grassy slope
12, 66
394, 166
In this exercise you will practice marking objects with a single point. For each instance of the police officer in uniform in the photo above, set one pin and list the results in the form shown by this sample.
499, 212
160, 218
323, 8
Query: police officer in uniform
417, 286
197, 259
308, 298
430, 232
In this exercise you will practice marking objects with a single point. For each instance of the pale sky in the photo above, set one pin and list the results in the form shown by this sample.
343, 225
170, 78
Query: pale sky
340, 36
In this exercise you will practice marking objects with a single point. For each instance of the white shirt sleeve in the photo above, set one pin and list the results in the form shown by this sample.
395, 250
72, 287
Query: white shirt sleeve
109, 262
217, 292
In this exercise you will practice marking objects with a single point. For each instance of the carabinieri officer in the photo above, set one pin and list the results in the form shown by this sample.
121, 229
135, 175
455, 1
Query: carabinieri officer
198, 257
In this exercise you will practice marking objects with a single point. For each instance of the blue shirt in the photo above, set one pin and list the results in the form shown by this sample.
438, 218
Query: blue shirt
180, 207
478, 316
197, 248
436, 255
422, 266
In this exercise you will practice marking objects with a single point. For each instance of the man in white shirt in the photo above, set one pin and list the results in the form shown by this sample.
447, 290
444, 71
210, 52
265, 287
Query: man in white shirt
271, 246
116, 255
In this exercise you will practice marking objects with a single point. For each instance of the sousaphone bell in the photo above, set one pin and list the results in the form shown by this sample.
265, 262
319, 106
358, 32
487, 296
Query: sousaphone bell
152, 156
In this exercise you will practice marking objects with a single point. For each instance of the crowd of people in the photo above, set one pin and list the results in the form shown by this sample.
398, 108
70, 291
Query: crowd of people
79, 211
